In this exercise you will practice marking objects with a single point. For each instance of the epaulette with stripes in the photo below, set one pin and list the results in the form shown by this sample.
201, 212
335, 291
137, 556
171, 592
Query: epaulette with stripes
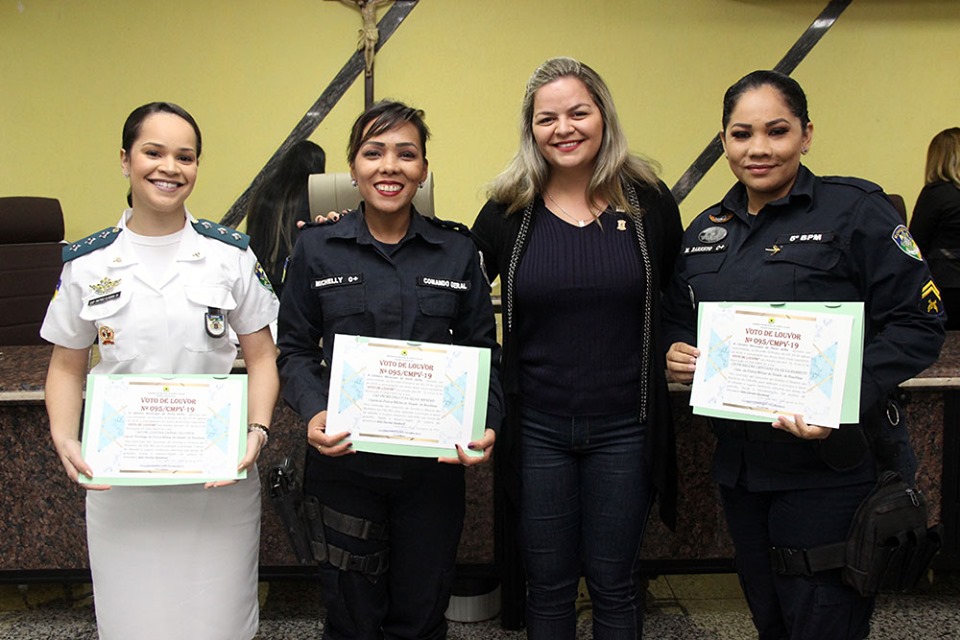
222, 233
94, 241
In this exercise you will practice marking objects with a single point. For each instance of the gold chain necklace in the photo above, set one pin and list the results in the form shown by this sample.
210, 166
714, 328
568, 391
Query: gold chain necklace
580, 223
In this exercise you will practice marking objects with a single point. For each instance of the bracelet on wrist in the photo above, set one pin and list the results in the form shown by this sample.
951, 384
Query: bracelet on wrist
264, 430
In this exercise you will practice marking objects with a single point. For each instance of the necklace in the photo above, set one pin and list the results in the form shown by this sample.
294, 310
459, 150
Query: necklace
580, 223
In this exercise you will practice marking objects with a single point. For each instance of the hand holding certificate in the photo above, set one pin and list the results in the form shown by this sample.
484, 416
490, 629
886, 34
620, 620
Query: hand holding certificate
408, 398
761, 360
156, 430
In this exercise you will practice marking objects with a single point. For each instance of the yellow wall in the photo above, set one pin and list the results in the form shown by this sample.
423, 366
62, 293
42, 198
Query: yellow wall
881, 84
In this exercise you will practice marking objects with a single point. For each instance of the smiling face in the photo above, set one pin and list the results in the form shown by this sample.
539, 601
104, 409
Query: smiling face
763, 141
389, 168
567, 125
162, 165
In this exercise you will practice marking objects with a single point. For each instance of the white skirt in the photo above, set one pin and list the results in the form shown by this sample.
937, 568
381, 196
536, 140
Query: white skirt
175, 562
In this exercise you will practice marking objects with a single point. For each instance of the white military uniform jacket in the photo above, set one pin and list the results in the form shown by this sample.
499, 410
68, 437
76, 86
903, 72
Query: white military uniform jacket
178, 325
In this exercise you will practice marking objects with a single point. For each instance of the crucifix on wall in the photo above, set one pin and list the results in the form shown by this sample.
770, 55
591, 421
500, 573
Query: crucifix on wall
369, 36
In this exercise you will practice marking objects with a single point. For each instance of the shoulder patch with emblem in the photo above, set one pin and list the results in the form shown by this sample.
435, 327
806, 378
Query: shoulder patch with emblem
95, 241
222, 233
901, 236
263, 279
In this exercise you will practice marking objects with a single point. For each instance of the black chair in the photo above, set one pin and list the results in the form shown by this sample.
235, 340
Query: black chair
31, 241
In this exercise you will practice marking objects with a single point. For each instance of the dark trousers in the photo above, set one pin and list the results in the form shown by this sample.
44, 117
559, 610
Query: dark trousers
586, 497
424, 512
817, 607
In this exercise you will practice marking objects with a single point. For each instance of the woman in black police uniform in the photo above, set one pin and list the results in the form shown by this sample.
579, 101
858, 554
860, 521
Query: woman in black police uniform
388, 272
784, 234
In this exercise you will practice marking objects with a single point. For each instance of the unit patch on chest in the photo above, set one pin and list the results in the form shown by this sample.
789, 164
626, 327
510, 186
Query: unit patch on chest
712, 235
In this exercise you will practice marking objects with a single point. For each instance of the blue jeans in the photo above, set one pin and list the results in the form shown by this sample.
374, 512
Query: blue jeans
586, 497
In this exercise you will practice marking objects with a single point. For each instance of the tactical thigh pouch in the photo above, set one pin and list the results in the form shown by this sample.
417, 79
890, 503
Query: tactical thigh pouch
304, 519
889, 546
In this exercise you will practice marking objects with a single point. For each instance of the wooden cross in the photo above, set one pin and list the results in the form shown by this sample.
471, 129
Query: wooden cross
369, 37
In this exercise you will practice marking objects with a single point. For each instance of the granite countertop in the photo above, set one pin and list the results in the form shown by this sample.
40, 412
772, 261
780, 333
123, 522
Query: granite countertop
24, 368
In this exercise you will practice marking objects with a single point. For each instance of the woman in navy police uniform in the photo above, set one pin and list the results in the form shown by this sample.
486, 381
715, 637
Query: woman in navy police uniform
384, 271
783, 234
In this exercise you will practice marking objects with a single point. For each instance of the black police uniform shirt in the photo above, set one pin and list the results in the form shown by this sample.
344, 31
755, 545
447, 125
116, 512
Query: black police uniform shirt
829, 239
430, 287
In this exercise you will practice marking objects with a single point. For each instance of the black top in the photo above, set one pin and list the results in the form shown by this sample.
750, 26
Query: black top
574, 286
935, 226
429, 288
829, 239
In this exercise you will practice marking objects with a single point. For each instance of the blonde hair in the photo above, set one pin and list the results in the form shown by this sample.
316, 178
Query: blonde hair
527, 173
943, 157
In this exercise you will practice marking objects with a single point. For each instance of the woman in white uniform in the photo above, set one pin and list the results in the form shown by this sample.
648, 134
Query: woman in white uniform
159, 291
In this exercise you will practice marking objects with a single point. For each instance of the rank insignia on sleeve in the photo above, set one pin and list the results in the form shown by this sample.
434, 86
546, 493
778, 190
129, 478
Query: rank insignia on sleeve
264, 280
930, 298
906, 242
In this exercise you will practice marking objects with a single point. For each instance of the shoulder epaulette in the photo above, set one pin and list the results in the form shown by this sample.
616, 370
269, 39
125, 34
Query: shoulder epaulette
859, 183
222, 233
448, 224
95, 241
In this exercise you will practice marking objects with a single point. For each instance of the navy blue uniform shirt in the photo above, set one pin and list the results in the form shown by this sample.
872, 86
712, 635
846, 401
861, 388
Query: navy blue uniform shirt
429, 287
829, 239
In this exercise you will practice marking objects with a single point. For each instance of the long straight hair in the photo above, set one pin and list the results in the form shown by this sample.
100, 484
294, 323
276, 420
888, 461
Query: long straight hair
277, 205
528, 172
